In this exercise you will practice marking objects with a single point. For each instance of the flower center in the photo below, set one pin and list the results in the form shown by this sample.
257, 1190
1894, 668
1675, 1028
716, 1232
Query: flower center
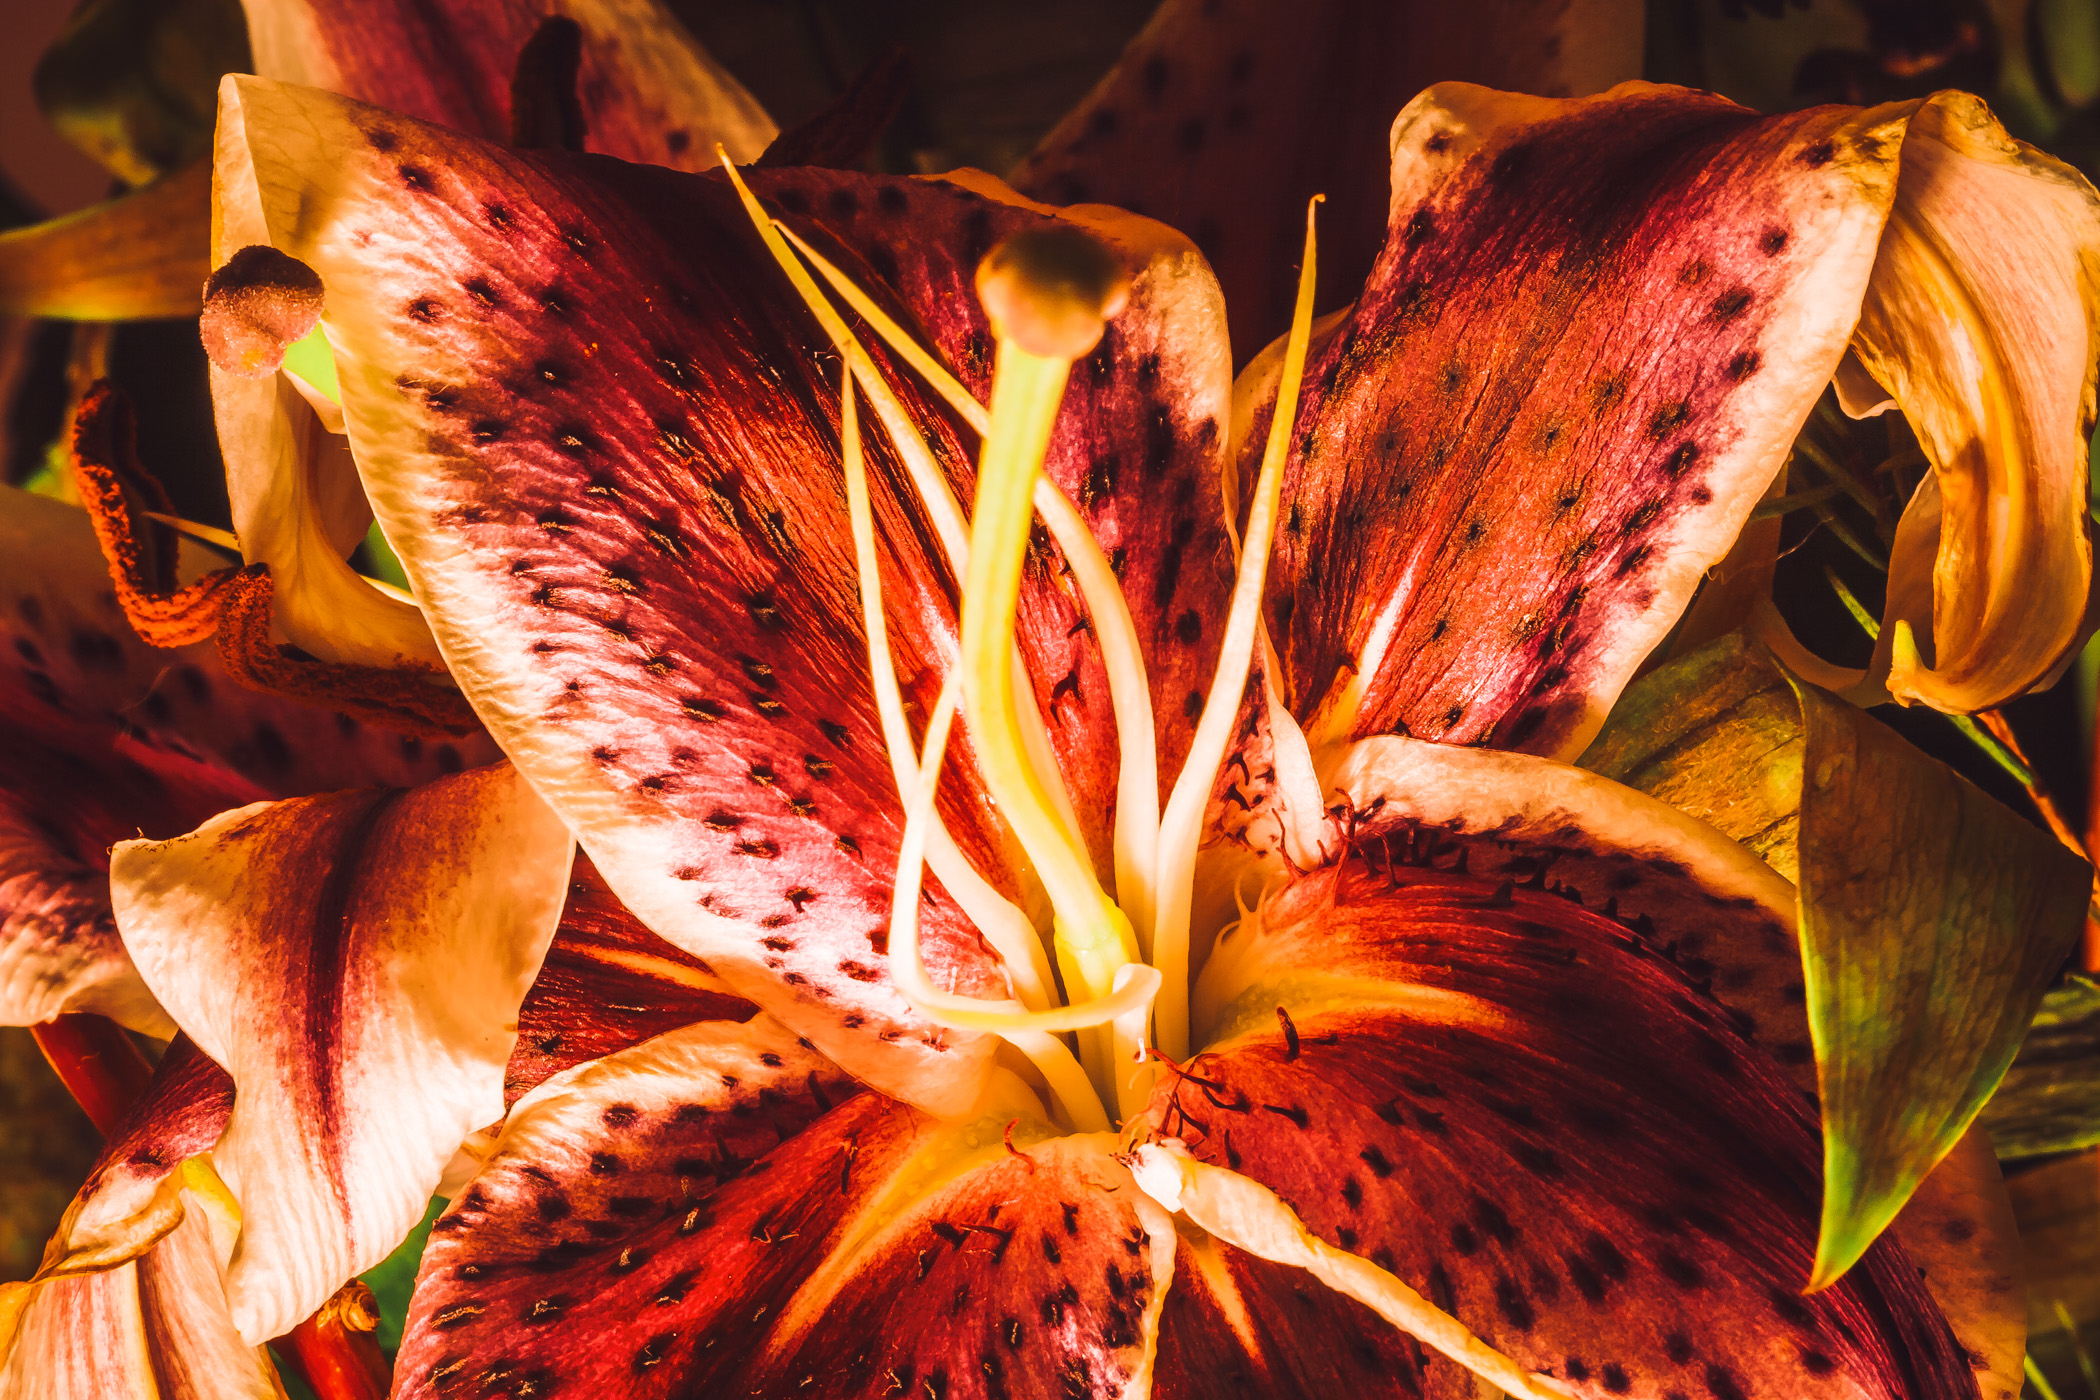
1123, 962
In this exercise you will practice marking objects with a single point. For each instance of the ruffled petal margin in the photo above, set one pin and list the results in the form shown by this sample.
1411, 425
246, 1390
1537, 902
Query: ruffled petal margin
356, 961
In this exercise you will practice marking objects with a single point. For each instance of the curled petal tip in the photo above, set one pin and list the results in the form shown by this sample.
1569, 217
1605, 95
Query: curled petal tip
256, 305
1051, 290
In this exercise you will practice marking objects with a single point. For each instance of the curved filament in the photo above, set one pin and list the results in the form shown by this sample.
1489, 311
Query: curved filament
1182, 827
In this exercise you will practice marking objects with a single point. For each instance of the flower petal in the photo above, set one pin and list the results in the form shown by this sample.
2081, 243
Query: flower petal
648, 91
134, 1281
154, 1326
128, 1201
68, 642
1686, 892
1982, 321
1237, 1324
1524, 1113
615, 488
1582, 355
69, 788
695, 1216
142, 254
607, 983
356, 961
1225, 124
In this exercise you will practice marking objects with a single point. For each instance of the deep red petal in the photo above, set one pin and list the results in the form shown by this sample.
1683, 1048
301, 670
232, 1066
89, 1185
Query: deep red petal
647, 90
1553, 1133
1236, 1324
1581, 356
704, 1215
607, 983
1225, 120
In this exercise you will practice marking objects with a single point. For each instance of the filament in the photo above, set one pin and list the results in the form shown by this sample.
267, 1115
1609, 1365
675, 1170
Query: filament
1181, 828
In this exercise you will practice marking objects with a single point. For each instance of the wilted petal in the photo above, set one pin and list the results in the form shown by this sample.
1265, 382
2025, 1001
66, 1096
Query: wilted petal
1582, 355
605, 984
588, 413
702, 1214
1224, 120
1980, 322
648, 91
356, 961
139, 255
1527, 1114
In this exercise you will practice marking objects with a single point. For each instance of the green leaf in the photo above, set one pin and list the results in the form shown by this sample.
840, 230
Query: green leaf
1932, 918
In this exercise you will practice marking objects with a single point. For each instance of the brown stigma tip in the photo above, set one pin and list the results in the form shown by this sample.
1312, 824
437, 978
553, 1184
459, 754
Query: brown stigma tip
1050, 289
256, 305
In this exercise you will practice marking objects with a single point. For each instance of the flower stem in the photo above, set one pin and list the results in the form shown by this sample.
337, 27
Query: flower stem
96, 1062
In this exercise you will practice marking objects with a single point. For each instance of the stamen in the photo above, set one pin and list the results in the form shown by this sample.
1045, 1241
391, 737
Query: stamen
1005, 927
1181, 828
926, 475
1130, 696
908, 971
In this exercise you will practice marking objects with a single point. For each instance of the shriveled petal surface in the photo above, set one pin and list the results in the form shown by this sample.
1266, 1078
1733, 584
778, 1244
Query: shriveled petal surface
1583, 353
607, 983
648, 91
66, 641
1548, 1130
703, 1213
1980, 322
1223, 119
356, 962
139, 255
1137, 446
590, 420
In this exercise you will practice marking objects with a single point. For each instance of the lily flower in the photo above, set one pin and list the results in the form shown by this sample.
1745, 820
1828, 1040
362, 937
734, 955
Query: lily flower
1206, 775
1500, 1073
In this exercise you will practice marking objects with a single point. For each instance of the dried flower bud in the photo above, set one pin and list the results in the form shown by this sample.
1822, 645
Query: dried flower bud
256, 306
1051, 289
